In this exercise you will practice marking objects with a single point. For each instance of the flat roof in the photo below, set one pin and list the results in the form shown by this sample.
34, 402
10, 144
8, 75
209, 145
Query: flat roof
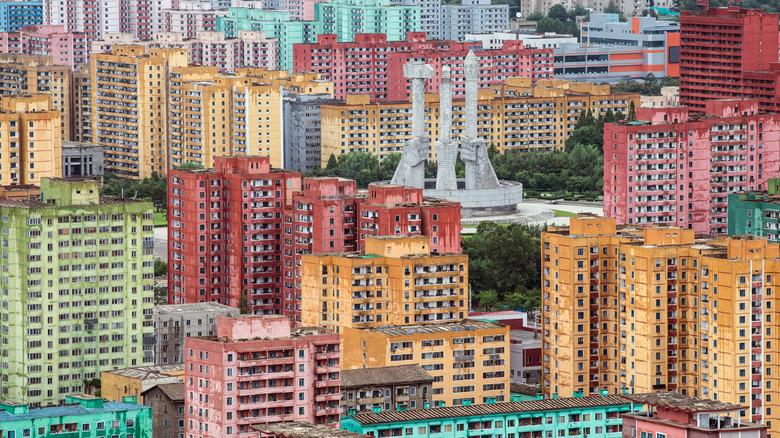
378, 376
678, 402
465, 325
70, 410
193, 307
302, 429
146, 373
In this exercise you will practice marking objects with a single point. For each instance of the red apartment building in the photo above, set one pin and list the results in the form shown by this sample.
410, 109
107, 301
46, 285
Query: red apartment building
676, 167
372, 65
224, 232
728, 53
257, 369
242, 227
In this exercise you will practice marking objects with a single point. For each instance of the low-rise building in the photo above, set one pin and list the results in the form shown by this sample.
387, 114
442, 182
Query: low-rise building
81, 160
670, 96
390, 388
20, 192
167, 402
302, 429
82, 415
174, 322
469, 359
132, 382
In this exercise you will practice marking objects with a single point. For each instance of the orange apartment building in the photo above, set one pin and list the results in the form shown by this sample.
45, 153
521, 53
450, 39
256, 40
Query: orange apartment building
654, 309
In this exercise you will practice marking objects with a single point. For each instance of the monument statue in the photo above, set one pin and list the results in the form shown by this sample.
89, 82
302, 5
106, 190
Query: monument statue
446, 147
473, 152
411, 170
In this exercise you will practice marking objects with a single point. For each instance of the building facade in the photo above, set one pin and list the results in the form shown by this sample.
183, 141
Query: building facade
16, 15
372, 64
721, 52
642, 309
472, 16
519, 115
65, 48
387, 388
678, 168
302, 130
81, 160
468, 358
167, 402
84, 415
132, 382
345, 18
31, 140
191, 17
175, 322
395, 281
755, 214
259, 370
98, 289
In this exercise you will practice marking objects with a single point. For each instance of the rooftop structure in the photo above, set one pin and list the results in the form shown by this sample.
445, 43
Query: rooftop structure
132, 382
302, 429
399, 375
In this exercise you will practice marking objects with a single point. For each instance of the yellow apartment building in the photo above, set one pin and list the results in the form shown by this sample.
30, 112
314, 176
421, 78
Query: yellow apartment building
468, 359
518, 115
660, 308
30, 140
396, 281
127, 382
21, 74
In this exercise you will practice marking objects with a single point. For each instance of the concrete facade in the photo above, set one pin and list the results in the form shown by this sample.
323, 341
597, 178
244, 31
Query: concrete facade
31, 140
132, 382
167, 401
472, 16
345, 18
754, 213
65, 48
175, 322
260, 370
386, 388
16, 15
302, 130
81, 160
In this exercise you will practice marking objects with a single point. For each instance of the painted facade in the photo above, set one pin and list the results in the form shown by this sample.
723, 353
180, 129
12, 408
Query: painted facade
31, 140
754, 213
115, 385
16, 15
258, 369
395, 281
78, 280
675, 167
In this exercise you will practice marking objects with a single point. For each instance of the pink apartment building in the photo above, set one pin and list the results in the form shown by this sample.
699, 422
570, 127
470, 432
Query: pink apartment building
257, 369
65, 48
675, 166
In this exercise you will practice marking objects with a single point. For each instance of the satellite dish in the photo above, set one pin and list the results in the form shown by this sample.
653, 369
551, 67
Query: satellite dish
518, 15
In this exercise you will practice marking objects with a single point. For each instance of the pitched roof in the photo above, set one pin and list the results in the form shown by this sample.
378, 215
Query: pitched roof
490, 409
379, 376
174, 391
522, 388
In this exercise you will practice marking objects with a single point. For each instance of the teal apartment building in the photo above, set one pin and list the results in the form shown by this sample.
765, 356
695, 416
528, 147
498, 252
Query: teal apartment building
344, 18
754, 213
77, 290
81, 416
593, 416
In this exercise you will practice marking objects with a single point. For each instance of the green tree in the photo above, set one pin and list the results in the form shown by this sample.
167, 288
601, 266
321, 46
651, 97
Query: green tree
243, 304
487, 299
534, 16
388, 165
558, 12
631, 111
160, 296
160, 268
189, 165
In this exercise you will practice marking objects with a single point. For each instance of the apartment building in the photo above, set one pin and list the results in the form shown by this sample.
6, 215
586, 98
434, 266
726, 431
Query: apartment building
77, 304
723, 52
82, 415
754, 213
258, 369
65, 48
373, 63
395, 281
31, 140
211, 48
241, 200
168, 402
519, 115
22, 74
302, 129
117, 384
644, 309
174, 322
676, 167
472, 16
191, 17
387, 388
469, 359
345, 18
16, 15
430, 16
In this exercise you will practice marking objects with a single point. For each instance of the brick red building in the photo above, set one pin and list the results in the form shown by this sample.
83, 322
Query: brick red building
372, 65
679, 167
242, 227
728, 53
257, 369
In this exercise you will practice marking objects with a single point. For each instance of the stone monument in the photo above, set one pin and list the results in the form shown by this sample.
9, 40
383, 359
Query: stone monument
446, 147
411, 170
479, 170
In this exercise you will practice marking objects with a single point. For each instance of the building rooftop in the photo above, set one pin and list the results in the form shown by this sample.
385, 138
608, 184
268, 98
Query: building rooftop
193, 307
522, 388
489, 409
174, 391
70, 410
465, 325
302, 429
148, 373
676, 401
379, 376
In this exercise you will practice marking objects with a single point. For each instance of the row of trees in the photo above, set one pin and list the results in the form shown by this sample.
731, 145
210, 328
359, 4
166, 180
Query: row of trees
153, 188
650, 85
559, 20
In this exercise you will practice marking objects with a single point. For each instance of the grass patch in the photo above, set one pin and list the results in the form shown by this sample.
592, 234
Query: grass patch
161, 218
561, 213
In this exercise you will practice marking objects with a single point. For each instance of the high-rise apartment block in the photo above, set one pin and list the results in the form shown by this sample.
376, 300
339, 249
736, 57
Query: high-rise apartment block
646, 309
676, 167
345, 18
395, 281
174, 322
755, 213
97, 18
31, 142
302, 129
191, 17
78, 280
469, 359
518, 115
16, 15
22, 74
372, 64
723, 52
65, 48
472, 16
257, 369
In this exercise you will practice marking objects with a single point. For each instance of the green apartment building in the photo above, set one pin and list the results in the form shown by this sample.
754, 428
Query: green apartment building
345, 18
81, 416
756, 214
593, 416
276, 24
77, 289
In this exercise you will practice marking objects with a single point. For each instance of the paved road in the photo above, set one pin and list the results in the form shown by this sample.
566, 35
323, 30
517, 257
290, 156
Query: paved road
161, 243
